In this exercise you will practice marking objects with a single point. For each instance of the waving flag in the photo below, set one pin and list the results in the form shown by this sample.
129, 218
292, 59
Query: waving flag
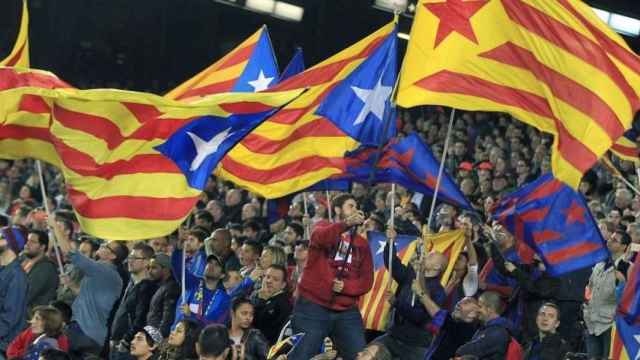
449, 243
626, 147
361, 104
555, 222
296, 148
625, 338
407, 162
24, 130
19, 55
250, 67
552, 64
295, 66
120, 186
373, 306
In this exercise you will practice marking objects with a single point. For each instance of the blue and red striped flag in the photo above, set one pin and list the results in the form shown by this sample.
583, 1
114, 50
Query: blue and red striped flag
553, 219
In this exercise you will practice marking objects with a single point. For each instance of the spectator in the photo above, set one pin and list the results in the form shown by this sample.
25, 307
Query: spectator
181, 344
219, 244
249, 256
204, 219
41, 271
214, 343
216, 208
54, 354
131, 315
251, 230
13, 285
162, 308
272, 306
491, 340
206, 299
144, 344
339, 270
408, 335
99, 289
45, 331
300, 253
160, 245
249, 342
233, 206
547, 344
195, 255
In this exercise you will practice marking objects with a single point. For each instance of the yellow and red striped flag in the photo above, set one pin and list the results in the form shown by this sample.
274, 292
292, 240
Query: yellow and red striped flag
250, 67
373, 306
552, 64
617, 350
120, 185
296, 148
626, 148
19, 55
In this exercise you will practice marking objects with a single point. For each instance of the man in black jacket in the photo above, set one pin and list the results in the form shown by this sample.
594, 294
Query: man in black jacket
272, 306
491, 341
162, 309
131, 315
547, 345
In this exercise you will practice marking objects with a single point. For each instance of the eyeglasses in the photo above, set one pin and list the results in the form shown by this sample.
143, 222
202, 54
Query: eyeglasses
136, 258
106, 246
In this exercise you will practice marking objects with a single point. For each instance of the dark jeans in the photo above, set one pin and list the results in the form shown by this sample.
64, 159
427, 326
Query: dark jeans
345, 328
400, 350
598, 346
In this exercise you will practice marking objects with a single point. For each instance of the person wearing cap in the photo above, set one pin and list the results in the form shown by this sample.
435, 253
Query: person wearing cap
13, 286
205, 300
145, 342
163, 303
484, 171
464, 169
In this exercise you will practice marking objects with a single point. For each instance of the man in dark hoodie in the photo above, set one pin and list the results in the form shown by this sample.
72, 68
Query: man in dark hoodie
491, 341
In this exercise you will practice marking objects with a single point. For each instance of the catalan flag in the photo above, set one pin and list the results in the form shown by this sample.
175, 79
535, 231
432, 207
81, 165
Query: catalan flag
373, 306
619, 349
19, 55
250, 67
626, 147
552, 64
296, 147
111, 144
625, 337
24, 127
295, 66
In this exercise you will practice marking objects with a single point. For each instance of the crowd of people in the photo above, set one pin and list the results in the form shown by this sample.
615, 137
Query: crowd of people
235, 282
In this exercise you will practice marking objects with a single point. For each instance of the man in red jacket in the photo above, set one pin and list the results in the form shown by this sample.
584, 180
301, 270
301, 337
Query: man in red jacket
338, 271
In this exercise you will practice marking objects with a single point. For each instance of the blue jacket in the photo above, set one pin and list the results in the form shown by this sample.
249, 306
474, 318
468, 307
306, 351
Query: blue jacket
490, 342
13, 302
209, 307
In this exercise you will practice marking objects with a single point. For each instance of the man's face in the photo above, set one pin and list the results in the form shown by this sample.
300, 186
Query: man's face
213, 270
300, 253
192, 244
106, 251
273, 280
290, 236
233, 198
483, 310
248, 212
348, 208
547, 319
32, 248
247, 255
86, 249
614, 216
218, 244
615, 243
232, 279
467, 310
155, 272
159, 245
137, 263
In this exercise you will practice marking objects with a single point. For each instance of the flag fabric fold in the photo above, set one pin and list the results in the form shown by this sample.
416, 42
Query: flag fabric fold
19, 55
625, 340
553, 220
626, 147
250, 67
295, 66
407, 162
551, 64
296, 148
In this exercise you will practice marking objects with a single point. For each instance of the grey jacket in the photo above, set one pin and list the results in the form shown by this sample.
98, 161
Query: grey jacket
599, 311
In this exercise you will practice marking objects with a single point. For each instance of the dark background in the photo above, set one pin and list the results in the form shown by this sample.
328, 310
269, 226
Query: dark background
153, 45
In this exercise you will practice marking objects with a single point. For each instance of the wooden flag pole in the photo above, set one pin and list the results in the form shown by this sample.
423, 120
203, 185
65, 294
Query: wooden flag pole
307, 231
329, 209
52, 233
391, 241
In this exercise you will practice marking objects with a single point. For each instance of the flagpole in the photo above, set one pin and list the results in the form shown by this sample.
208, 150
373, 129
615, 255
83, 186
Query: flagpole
330, 212
392, 224
637, 173
184, 265
306, 214
52, 233
443, 159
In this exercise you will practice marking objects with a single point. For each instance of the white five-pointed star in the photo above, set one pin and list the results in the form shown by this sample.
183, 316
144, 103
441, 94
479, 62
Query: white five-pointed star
381, 245
261, 83
637, 338
206, 148
374, 101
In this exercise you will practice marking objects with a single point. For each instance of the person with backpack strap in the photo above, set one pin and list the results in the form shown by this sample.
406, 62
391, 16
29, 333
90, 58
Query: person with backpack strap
494, 340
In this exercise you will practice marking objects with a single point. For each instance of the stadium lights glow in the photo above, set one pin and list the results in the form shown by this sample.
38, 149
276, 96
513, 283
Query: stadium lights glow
279, 9
624, 25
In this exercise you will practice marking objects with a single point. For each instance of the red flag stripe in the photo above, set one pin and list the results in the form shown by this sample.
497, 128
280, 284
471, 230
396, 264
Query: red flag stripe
134, 207
544, 191
446, 81
245, 107
626, 150
85, 165
575, 251
613, 48
17, 132
34, 104
10, 79
377, 284
568, 39
14, 60
239, 56
562, 87
219, 87
105, 129
281, 173
318, 128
